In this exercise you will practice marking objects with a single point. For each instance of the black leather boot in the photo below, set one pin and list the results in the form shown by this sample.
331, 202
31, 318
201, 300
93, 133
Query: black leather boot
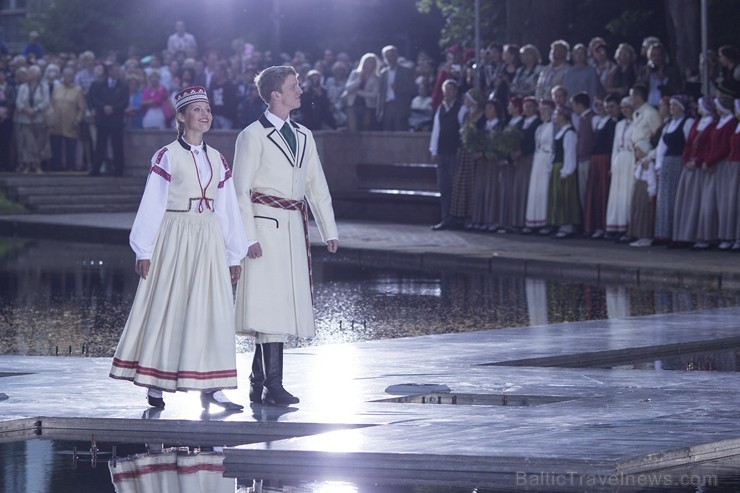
257, 377
273, 393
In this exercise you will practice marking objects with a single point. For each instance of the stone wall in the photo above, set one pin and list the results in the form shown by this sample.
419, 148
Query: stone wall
340, 151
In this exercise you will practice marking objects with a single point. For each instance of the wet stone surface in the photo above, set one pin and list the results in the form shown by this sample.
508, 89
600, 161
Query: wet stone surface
64, 298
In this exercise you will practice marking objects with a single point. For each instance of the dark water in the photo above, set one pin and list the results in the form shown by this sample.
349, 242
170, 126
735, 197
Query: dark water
50, 466
73, 298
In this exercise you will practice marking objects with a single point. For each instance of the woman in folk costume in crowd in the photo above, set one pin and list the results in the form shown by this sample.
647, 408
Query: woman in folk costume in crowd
539, 180
564, 206
641, 228
622, 179
189, 240
597, 185
468, 168
522, 160
714, 195
668, 164
491, 203
691, 182
733, 183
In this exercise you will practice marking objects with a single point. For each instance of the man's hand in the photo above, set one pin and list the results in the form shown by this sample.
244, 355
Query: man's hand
332, 246
142, 267
255, 251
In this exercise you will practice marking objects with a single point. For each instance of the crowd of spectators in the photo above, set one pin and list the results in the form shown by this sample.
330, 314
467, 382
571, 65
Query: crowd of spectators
600, 141
623, 148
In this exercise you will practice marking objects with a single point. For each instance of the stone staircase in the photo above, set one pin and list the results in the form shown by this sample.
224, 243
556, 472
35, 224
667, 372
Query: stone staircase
400, 192
73, 193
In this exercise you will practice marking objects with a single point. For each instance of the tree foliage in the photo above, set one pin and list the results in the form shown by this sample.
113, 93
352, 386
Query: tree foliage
459, 19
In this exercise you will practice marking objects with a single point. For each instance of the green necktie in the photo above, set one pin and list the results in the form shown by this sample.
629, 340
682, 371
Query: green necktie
289, 136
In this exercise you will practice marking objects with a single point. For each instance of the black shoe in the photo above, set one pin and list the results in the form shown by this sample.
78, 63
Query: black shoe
208, 398
257, 377
440, 226
157, 402
273, 392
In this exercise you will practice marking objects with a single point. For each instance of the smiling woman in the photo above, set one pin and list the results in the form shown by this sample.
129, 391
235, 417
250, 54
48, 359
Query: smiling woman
189, 239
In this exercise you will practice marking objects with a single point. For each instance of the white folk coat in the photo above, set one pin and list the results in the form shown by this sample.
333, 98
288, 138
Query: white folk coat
274, 292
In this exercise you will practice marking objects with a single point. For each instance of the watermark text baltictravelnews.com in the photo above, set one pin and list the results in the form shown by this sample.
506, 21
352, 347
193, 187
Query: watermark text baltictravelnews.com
642, 480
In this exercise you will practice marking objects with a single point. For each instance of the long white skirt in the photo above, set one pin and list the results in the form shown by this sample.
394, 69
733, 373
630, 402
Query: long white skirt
619, 204
539, 186
180, 332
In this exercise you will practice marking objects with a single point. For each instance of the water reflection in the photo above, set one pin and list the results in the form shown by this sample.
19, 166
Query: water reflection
171, 470
73, 298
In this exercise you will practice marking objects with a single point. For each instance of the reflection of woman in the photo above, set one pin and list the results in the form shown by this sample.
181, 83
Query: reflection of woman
361, 94
180, 332
172, 471
32, 135
153, 97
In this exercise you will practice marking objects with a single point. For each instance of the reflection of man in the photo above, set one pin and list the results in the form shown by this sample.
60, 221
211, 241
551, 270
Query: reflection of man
277, 173
397, 89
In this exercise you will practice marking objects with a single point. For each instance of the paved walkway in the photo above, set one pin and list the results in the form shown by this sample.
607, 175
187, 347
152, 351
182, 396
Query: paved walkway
511, 409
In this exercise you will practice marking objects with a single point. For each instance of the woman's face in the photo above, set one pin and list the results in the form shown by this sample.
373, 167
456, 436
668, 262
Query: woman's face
490, 111
546, 112
154, 79
579, 56
627, 111
599, 107
197, 116
623, 56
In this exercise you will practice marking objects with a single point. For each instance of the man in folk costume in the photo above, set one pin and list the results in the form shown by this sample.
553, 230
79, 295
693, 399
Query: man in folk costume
277, 175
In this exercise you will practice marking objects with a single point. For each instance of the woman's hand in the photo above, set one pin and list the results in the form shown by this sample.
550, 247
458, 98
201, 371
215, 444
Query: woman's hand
142, 267
332, 246
236, 272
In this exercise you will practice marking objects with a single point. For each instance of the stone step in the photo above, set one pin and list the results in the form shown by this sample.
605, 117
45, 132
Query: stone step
402, 176
404, 206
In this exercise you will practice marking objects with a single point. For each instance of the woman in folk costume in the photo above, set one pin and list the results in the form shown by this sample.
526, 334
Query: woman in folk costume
189, 240
691, 182
564, 206
278, 175
669, 165
469, 170
522, 166
539, 180
623, 175
714, 194
733, 183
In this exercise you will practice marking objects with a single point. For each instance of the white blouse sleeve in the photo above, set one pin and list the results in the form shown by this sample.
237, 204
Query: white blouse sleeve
232, 226
570, 143
151, 210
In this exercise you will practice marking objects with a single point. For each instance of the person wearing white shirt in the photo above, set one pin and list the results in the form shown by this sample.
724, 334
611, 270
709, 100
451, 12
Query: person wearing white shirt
189, 241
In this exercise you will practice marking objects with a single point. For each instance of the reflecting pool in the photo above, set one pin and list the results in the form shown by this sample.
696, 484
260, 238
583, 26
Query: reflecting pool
52, 466
73, 298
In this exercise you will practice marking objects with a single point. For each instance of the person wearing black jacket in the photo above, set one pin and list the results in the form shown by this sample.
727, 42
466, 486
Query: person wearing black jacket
108, 98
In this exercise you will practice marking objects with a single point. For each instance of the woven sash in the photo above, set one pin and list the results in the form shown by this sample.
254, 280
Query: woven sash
291, 205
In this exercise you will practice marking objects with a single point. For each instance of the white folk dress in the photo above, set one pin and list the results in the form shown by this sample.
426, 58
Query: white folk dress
618, 207
539, 180
180, 332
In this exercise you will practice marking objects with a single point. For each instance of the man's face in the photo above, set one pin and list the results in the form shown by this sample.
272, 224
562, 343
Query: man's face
450, 92
290, 93
612, 108
391, 57
530, 108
